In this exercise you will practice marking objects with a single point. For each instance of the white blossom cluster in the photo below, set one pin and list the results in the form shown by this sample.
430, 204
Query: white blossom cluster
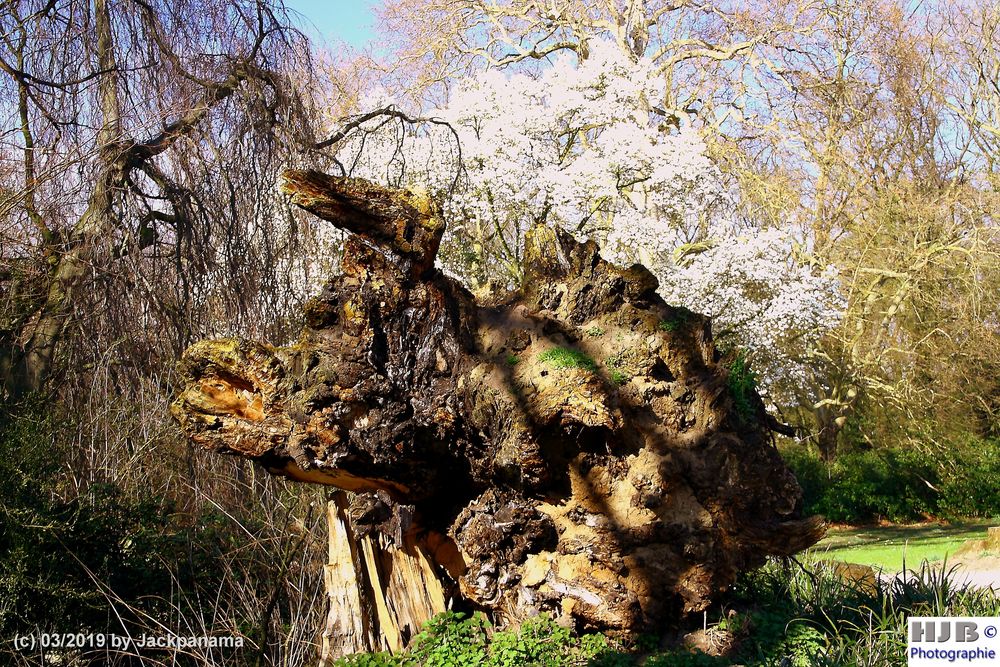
585, 145
580, 145
763, 300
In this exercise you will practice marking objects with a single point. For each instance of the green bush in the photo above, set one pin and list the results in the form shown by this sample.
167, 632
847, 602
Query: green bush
789, 616
970, 480
881, 484
900, 485
813, 475
64, 554
80, 556
864, 486
455, 640
811, 617
685, 658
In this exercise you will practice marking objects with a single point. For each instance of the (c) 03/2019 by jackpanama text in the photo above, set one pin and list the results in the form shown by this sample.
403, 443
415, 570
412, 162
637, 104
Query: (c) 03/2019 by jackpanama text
101, 640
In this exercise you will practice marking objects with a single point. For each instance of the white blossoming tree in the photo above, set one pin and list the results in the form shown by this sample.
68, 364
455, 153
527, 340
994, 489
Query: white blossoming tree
582, 145
763, 299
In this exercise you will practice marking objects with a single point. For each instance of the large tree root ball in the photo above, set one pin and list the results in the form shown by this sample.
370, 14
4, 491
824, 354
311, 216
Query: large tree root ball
576, 448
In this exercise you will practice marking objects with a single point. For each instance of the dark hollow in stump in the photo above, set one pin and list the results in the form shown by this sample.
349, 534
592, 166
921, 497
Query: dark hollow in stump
576, 448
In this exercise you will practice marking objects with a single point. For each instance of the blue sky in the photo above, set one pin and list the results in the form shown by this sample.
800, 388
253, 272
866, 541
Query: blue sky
352, 21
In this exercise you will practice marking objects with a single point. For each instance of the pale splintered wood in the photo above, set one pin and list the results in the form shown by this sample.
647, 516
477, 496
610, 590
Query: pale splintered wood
388, 630
407, 589
379, 594
349, 628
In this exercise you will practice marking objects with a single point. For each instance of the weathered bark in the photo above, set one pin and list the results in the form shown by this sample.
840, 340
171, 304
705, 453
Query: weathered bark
617, 491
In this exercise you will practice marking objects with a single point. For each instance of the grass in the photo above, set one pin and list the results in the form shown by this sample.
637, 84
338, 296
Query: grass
670, 325
886, 547
619, 377
817, 619
564, 357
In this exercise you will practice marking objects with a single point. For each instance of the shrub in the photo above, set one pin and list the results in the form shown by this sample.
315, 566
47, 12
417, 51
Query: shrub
863, 486
807, 616
791, 616
813, 475
900, 484
63, 554
970, 479
455, 639
888, 484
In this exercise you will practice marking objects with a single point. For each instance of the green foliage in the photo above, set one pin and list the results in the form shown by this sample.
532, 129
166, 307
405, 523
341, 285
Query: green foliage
452, 640
61, 552
802, 645
812, 617
646, 642
901, 484
742, 383
677, 319
512, 359
599, 651
812, 473
595, 331
792, 617
877, 484
669, 325
538, 642
370, 660
455, 640
970, 477
616, 369
101, 559
564, 357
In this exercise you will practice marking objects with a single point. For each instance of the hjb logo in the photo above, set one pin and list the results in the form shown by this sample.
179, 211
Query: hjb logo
941, 631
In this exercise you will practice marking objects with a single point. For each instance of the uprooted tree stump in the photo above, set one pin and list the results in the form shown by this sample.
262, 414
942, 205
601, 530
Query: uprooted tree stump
576, 448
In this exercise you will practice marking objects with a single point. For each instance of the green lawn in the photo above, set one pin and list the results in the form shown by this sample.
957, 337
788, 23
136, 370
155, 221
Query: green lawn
886, 547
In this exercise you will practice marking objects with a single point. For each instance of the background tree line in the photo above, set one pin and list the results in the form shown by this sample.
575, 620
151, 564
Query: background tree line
821, 177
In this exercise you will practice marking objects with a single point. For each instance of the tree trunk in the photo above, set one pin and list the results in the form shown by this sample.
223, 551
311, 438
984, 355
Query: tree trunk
575, 448
828, 436
32, 368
